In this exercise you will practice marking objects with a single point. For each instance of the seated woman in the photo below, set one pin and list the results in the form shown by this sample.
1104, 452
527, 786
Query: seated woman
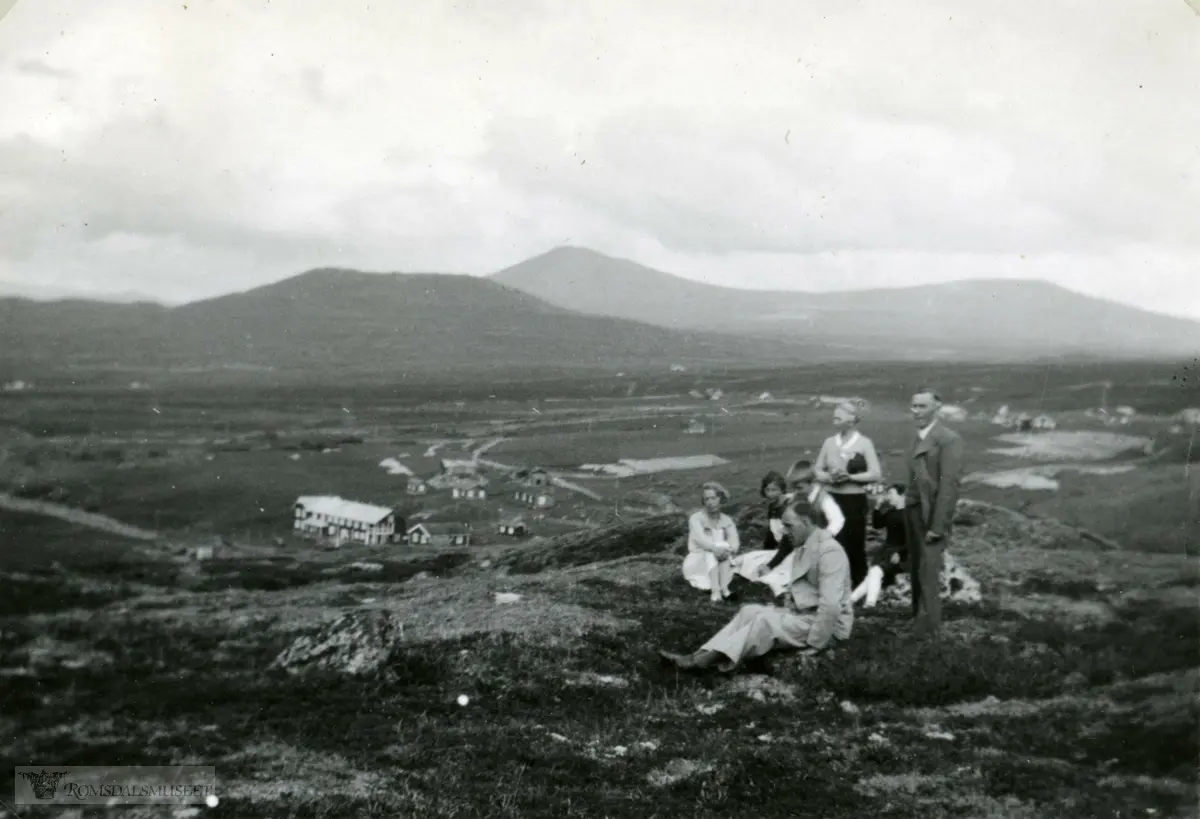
712, 542
892, 559
774, 491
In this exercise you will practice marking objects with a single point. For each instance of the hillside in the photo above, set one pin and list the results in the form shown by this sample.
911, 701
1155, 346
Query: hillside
335, 322
319, 687
990, 317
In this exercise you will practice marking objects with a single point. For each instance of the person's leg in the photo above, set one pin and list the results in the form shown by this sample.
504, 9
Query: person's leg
914, 528
853, 535
761, 629
724, 646
725, 575
714, 579
931, 587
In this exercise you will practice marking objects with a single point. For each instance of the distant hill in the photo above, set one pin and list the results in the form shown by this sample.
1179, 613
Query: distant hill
986, 317
326, 324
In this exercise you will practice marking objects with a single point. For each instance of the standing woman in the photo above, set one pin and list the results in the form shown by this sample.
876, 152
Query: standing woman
712, 542
847, 464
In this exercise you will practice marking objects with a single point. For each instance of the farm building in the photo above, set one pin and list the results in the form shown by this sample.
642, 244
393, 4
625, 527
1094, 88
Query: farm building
439, 534
696, 427
416, 486
514, 528
339, 520
536, 499
1044, 422
537, 477
460, 468
474, 492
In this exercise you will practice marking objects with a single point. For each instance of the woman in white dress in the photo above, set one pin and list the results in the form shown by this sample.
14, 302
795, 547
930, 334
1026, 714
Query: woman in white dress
712, 543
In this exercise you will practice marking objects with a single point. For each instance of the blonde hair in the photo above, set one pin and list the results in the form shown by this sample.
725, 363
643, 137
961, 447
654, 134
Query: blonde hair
713, 486
857, 407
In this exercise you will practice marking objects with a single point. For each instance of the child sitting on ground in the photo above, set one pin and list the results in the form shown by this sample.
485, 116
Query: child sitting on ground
892, 559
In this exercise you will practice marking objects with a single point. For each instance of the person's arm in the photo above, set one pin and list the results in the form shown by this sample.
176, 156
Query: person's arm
696, 535
833, 514
731, 537
874, 472
879, 518
786, 546
834, 570
821, 467
950, 463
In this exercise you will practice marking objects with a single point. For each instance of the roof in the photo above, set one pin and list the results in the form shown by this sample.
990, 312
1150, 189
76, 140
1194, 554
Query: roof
448, 463
334, 506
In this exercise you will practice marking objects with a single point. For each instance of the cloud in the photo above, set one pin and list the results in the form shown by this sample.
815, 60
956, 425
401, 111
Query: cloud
809, 145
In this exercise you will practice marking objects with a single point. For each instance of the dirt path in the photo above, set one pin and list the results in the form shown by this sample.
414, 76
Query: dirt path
77, 516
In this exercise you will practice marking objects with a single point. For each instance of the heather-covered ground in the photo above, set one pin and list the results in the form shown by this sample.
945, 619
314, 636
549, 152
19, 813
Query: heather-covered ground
1069, 691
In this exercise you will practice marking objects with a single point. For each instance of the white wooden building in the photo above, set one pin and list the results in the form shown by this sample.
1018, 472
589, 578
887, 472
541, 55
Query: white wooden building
476, 492
343, 521
514, 528
416, 486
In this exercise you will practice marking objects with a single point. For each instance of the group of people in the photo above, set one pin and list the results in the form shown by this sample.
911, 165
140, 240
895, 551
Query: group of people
814, 555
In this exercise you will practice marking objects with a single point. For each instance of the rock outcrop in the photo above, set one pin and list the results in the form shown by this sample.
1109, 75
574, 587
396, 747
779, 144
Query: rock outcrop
357, 643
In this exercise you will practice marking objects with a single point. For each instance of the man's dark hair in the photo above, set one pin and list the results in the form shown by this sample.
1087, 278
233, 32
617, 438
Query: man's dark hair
937, 395
803, 509
773, 478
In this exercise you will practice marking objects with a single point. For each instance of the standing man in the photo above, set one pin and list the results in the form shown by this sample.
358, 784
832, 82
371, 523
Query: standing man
934, 472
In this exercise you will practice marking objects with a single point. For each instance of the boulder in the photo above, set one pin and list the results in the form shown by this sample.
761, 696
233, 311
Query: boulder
358, 643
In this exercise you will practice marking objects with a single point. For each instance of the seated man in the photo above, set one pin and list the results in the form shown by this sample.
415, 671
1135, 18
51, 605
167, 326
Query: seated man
818, 610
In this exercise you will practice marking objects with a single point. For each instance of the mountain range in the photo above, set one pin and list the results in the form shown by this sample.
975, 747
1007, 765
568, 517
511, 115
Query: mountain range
570, 308
984, 316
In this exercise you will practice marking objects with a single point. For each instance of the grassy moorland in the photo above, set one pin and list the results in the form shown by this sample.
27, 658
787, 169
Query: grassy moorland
1068, 692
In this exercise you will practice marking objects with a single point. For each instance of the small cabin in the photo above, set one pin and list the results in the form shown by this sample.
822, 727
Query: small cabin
476, 492
696, 427
513, 528
439, 534
416, 486
537, 477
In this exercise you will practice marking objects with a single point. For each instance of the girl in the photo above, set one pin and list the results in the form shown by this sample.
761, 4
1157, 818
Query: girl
712, 542
846, 464
774, 490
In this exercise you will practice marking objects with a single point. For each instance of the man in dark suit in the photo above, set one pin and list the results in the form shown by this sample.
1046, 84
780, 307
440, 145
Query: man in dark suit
934, 471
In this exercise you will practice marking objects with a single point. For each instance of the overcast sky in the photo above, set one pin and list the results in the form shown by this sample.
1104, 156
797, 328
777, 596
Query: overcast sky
185, 149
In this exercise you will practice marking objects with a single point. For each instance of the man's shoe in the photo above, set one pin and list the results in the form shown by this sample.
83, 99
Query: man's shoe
690, 662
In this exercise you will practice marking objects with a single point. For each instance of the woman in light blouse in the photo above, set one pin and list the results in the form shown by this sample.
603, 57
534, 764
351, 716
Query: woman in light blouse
712, 542
847, 464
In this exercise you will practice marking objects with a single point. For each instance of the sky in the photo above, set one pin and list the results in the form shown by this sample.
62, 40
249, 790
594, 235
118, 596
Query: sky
181, 150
